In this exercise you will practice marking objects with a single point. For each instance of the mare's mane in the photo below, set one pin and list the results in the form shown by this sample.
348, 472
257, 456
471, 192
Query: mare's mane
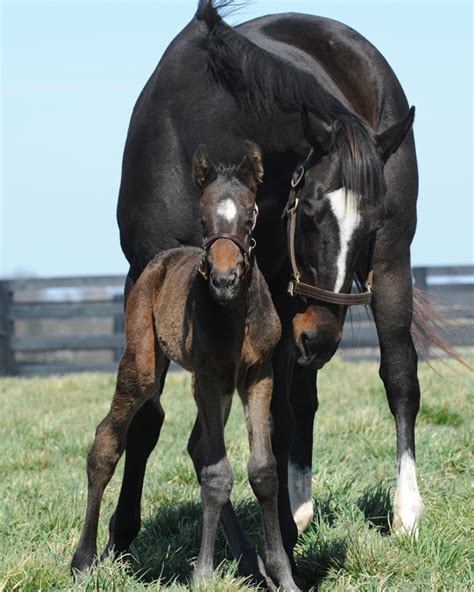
263, 84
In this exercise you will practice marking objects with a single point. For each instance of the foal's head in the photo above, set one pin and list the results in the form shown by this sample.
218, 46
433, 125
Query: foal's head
341, 188
228, 217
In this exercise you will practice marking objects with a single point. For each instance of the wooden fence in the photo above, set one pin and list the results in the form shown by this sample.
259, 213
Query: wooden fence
74, 324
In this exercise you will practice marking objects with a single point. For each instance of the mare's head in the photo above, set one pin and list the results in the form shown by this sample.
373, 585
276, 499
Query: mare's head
228, 217
341, 189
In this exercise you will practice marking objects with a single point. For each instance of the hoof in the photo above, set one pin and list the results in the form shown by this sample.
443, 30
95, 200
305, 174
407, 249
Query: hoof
199, 578
81, 563
407, 524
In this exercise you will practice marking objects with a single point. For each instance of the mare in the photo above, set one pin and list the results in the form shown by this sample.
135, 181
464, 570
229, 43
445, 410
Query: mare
212, 313
221, 85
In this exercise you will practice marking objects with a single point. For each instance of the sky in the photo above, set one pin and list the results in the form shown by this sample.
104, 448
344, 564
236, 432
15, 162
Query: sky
71, 73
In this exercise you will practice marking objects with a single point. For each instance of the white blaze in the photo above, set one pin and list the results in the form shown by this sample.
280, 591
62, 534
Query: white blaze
227, 209
408, 506
344, 205
301, 501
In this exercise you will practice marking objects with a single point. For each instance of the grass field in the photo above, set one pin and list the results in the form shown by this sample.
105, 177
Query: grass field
47, 426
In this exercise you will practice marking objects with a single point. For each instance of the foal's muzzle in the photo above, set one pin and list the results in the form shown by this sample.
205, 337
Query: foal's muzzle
224, 286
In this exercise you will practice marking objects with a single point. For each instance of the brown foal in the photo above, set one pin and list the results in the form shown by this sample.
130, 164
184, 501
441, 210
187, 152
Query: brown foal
211, 312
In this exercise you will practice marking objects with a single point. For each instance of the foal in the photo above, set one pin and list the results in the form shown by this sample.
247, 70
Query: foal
211, 312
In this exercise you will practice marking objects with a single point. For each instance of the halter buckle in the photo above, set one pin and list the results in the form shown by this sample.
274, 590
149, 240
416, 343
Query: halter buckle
296, 180
292, 285
203, 268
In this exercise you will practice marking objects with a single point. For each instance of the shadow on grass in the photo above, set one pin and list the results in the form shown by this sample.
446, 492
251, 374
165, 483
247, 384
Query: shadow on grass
320, 558
376, 506
168, 544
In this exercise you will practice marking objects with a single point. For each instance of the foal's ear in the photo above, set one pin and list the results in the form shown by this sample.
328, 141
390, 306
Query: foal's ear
204, 172
251, 168
318, 134
390, 140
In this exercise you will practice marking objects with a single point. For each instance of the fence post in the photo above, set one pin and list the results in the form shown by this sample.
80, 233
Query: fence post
119, 327
420, 274
6, 355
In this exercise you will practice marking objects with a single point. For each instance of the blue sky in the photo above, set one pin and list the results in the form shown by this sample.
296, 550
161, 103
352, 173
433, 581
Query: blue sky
71, 72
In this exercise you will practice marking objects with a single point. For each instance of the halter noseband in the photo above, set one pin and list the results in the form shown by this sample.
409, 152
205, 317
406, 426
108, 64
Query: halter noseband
246, 250
298, 288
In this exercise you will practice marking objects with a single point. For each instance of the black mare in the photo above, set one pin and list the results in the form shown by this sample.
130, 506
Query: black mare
251, 82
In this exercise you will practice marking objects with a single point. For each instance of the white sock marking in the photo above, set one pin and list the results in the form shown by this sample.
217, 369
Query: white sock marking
408, 505
301, 501
227, 209
344, 205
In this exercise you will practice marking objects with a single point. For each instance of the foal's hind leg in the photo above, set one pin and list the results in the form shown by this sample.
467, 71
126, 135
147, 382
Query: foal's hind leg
262, 470
392, 308
142, 436
133, 387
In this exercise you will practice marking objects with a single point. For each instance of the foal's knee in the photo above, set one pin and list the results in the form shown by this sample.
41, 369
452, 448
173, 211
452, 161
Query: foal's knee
216, 482
103, 454
263, 477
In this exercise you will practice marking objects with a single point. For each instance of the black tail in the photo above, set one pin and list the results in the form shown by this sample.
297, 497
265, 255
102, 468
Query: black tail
430, 323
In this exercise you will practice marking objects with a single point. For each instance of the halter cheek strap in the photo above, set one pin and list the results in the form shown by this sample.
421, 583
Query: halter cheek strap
298, 288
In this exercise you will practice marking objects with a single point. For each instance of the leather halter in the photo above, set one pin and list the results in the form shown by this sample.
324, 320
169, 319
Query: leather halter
246, 250
298, 288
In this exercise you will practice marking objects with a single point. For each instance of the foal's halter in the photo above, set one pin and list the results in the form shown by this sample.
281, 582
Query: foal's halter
245, 249
298, 288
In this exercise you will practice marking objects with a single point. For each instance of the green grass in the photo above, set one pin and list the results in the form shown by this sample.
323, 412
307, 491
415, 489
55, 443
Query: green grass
47, 426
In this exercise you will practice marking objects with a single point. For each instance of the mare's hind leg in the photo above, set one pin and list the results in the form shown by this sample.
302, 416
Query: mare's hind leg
134, 385
262, 471
304, 401
392, 308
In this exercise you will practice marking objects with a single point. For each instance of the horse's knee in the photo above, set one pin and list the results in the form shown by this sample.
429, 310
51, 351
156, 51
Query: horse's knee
403, 390
104, 453
216, 482
263, 477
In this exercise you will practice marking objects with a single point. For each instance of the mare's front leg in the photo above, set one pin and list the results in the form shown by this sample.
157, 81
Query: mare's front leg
392, 306
304, 401
216, 473
262, 472
283, 428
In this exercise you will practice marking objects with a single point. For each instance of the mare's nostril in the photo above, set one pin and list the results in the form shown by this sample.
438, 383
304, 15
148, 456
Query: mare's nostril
309, 344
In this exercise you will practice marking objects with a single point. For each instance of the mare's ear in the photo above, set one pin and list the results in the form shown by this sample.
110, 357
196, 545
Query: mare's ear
318, 134
390, 140
204, 172
251, 168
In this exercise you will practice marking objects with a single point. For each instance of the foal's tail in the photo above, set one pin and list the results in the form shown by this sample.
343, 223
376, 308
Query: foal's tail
429, 323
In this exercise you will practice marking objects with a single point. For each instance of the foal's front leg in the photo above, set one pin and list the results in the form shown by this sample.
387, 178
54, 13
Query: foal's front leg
262, 471
216, 473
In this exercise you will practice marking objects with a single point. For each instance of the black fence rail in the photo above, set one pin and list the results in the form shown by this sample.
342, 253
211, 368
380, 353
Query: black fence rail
75, 324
